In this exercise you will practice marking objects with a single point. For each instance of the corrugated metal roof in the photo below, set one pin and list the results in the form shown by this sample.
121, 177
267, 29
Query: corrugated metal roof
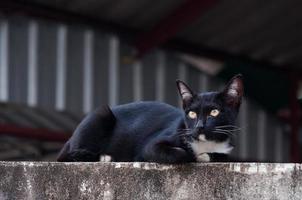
267, 30
28, 117
141, 14
40, 132
264, 30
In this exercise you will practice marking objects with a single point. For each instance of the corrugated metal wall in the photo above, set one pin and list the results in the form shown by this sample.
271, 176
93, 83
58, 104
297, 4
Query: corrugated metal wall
42, 64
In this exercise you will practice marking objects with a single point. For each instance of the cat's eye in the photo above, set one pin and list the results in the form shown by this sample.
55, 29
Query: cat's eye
214, 112
192, 115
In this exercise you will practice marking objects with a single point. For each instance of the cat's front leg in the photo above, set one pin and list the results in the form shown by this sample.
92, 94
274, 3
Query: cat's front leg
106, 158
204, 157
164, 150
212, 157
219, 157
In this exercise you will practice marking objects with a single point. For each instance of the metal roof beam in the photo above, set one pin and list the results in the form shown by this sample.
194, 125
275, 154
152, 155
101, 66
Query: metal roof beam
223, 55
169, 26
34, 133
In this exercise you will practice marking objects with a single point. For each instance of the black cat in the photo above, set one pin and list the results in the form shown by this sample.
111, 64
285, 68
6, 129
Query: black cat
158, 132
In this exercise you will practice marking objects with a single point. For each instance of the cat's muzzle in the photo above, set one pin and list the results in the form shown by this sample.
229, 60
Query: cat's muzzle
199, 135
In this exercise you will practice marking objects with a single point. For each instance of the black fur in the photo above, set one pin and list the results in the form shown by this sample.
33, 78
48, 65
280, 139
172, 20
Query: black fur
153, 131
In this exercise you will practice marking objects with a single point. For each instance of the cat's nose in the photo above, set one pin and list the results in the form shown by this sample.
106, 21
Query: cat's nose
200, 124
200, 131
195, 135
199, 135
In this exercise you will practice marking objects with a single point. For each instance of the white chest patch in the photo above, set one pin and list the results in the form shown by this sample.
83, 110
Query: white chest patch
105, 158
200, 147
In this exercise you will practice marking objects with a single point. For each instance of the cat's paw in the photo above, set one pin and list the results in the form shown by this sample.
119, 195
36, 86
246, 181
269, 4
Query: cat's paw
204, 157
105, 158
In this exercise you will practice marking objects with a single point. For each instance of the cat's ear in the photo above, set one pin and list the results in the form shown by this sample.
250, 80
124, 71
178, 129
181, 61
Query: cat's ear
233, 92
185, 92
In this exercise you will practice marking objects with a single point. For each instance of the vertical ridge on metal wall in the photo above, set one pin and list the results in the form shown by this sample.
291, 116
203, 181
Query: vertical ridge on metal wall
61, 67
4, 28
88, 71
32, 95
113, 70
137, 82
160, 77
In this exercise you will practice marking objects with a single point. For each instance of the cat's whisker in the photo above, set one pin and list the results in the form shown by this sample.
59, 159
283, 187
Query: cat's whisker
215, 131
228, 126
180, 135
230, 130
185, 131
185, 134
232, 126
226, 131
222, 132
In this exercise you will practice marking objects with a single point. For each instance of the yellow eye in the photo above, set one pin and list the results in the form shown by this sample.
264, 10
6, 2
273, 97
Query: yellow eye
214, 112
192, 115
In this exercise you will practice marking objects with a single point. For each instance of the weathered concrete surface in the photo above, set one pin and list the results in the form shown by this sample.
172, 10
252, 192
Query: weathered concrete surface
38, 180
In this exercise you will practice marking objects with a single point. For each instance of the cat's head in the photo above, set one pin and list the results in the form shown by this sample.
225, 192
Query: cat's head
211, 116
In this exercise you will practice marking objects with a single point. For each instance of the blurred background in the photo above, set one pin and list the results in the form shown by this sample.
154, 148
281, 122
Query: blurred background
60, 59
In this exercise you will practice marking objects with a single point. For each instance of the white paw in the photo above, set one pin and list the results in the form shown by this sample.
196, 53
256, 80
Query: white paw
105, 158
204, 157
202, 138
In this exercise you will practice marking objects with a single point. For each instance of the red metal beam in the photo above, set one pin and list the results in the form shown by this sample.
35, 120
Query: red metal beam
34, 133
294, 118
176, 21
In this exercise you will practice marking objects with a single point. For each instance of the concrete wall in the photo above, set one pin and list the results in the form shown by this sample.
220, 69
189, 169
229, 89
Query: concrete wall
28, 180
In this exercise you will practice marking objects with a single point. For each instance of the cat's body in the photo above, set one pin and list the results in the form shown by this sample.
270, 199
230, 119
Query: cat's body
146, 123
155, 132
136, 125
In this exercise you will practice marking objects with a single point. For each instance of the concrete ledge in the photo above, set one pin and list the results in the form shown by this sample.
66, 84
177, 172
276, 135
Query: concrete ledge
38, 180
